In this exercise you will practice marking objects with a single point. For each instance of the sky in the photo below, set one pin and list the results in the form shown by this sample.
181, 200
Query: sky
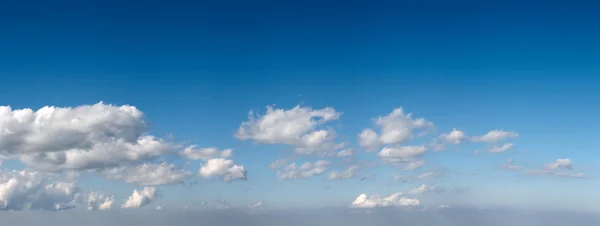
274, 105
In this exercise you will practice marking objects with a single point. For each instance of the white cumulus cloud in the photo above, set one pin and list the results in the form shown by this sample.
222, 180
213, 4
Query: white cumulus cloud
220, 167
396, 199
25, 189
495, 136
395, 128
99, 201
140, 198
404, 156
75, 138
454, 137
308, 169
194, 153
560, 164
300, 127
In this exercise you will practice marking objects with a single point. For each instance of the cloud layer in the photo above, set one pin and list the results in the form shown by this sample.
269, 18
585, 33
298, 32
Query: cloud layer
59, 144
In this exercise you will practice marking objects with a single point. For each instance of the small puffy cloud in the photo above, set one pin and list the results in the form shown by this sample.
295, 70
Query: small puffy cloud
503, 148
77, 138
393, 200
255, 205
300, 127
149, 174
348, 152
205, 154
454, 137
405, 156
423, 188
159, 208
220, 167
495, 136
511, 166
402, 152
559, 168
560, 164
99, 201
395, 128
347, 174
141, 198
368, 138
308, 169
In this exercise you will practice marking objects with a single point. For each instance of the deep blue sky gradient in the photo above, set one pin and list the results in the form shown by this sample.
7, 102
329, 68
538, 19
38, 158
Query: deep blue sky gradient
196, 69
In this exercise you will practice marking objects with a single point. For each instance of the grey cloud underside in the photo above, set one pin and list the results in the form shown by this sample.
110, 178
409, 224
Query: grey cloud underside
109, 140
446, 217
78, 138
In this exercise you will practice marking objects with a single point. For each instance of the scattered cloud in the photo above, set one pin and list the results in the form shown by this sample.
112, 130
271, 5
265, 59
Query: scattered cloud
347, 174
255, 205
415, 164
99, 201
393, 200
220, 167
348, 152
423, 188
498, 149
77, 138
205, 154
405, 157
25, 189
559, 168
141, 198
402, 153
454, 137
495, 136
308, 169
560, 164
149, 174
300, 127
543, 172
395, 128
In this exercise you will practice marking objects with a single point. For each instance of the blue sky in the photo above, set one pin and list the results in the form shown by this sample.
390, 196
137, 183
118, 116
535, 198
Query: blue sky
196, 70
